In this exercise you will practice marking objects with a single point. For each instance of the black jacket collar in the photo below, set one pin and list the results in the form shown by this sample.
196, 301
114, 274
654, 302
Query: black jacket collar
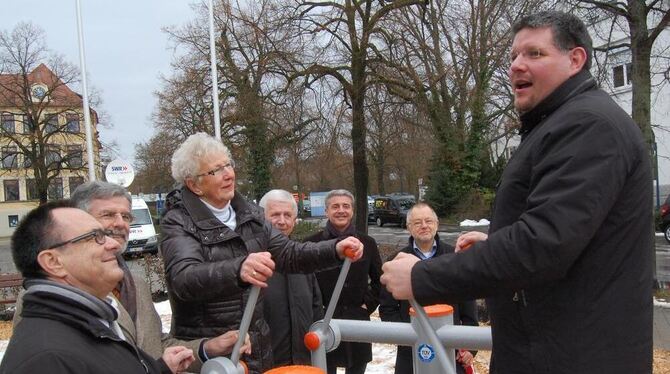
581, 82
55, 301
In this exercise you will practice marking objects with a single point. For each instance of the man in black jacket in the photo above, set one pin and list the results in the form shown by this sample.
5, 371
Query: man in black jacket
292, 301
567, 265
425, 243
69, 322
360, 294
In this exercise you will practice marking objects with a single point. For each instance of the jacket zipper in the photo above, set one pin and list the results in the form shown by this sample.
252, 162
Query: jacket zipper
515, 298
123, 341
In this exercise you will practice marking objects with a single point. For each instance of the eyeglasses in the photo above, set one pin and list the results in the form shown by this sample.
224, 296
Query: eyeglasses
111, 216
218, 170
419, 223
99, 235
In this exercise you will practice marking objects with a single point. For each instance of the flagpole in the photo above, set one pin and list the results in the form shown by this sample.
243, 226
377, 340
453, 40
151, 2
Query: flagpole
87, 111
215, 79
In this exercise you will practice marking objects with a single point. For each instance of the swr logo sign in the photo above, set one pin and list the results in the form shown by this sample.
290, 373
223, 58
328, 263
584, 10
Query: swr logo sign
119, 168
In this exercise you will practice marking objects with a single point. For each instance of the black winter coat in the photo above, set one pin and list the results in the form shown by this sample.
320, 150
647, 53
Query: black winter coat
292, 303
203, 257
567, 265
392, 310
60, 335
361, 287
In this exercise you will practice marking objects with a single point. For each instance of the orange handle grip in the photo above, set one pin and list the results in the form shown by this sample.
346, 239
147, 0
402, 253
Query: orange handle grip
349, 252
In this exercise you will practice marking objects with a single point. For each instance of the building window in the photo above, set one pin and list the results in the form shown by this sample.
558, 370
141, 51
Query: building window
27, 125
55, 190
52, 124
27, 161
72, 123
9, 157
621, 74
74, 156
74, 183
13, 220
8, 123
11, 189
31, 189
52, 154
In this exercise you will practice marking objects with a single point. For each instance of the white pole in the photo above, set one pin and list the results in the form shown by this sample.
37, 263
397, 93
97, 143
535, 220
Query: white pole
87, 111
215, 79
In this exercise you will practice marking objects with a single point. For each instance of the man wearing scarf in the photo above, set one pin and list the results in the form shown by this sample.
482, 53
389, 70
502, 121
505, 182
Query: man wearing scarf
360, 294
69, 322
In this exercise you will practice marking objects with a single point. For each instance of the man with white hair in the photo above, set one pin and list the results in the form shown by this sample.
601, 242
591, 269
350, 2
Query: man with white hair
292, 301
216, 245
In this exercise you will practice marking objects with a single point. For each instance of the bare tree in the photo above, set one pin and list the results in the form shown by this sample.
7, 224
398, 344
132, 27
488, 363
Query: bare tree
41, 119
342, 34
643, 22
255, 48
449, 59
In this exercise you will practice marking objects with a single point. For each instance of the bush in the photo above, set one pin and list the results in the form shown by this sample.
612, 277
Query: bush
304, 229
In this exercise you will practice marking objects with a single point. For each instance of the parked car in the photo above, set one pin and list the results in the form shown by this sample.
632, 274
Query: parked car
142, 238
393, 209
665, 218
371, 208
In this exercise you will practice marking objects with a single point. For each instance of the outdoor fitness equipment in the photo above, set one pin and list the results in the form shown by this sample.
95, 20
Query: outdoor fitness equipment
432, 335
433, 339
233, 365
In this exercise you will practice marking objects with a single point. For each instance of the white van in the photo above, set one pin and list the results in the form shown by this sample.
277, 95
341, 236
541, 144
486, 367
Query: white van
142, 233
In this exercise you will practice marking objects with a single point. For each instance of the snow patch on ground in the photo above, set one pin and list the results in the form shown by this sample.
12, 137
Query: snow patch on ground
469, 222
661, 303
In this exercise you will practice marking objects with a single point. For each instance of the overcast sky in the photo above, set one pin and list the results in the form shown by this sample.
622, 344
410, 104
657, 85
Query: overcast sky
125, 52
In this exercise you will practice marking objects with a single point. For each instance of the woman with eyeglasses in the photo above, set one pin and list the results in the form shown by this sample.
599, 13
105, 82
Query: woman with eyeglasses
216, 245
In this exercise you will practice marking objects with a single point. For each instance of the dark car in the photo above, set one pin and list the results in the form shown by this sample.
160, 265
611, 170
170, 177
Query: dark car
665, 218
393, 209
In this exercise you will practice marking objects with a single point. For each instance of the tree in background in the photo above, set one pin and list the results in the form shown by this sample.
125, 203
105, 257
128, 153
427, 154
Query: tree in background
42, 132
634, 25
342, 38
449, 59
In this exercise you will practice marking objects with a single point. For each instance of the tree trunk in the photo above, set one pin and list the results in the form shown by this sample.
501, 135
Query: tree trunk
358, 134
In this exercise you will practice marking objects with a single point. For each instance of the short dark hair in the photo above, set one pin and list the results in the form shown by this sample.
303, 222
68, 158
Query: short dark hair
36, 232
568, 31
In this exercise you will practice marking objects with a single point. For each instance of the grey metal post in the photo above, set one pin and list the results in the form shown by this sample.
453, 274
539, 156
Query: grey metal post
428, 346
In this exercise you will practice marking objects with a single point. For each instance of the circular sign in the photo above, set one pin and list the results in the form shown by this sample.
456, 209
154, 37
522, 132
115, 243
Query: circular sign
426, 353
120, 172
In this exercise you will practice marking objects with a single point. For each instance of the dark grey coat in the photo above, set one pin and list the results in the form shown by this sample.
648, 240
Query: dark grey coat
292, 303
567, 267
203, 257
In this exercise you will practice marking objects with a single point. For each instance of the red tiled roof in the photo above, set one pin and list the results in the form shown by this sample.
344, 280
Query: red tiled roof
60, 94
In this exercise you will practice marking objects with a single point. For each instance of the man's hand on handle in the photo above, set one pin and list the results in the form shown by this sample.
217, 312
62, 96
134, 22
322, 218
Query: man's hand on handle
397, 276
353, 246
466, 240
